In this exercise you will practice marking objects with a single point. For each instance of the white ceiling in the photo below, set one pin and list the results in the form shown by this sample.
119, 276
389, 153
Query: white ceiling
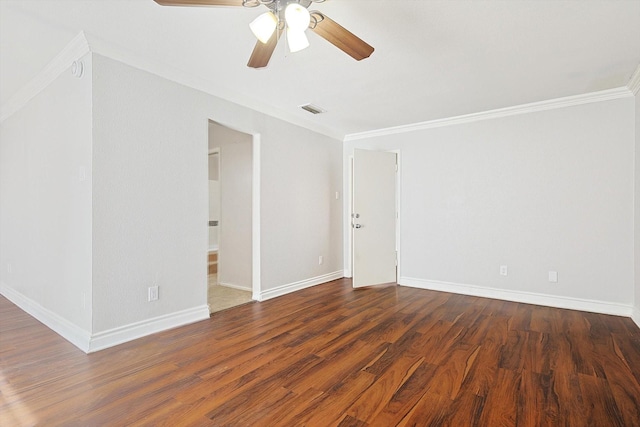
433, 59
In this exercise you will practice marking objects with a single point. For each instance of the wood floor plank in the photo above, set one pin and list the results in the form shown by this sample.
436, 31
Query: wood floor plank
626, 395
450, 376
375, 398
603, 406
333, 356
406, 397
537, 405
284, 414
629, 349
431, 410
501, 404
336, 367
329, 408
465, 410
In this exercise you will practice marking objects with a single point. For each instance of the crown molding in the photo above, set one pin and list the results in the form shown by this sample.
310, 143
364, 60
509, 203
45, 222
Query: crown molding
74, 50
126, 56
634, 82
552, 104
80, 46
85, 43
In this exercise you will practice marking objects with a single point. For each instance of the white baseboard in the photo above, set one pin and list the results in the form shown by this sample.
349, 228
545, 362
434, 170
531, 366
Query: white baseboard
232, 286
296, 286
132, 331
520, 296
88, 342
636, 316
67, 330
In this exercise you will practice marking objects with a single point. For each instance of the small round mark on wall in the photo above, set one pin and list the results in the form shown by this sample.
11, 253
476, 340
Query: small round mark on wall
77, 69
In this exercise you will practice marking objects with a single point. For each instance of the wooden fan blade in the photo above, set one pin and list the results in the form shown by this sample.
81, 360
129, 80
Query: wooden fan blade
262, 52
199, 2
340, 37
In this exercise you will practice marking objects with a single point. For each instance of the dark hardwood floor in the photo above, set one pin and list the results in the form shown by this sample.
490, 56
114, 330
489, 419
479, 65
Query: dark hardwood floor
329, 356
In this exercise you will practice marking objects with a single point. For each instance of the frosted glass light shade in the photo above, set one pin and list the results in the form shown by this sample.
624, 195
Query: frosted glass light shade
264, 26
297, 17
297, 40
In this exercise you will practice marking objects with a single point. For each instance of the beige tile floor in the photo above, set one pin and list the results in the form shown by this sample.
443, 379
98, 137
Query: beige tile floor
221, 297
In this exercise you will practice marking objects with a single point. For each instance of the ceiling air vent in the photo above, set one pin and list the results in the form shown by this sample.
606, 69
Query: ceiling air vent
313, 109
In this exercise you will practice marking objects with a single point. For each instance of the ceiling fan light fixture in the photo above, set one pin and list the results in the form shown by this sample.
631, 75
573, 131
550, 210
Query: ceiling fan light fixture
297, 40
297, 17
264, 26
292, 18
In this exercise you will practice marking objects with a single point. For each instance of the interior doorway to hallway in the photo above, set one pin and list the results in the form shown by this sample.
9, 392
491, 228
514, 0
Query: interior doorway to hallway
230, 218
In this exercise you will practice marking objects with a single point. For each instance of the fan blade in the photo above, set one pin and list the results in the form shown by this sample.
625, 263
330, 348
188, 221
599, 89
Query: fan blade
199, 2
262, 52
340, 37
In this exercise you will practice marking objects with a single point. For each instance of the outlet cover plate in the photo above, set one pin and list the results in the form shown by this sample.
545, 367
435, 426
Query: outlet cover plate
153, 293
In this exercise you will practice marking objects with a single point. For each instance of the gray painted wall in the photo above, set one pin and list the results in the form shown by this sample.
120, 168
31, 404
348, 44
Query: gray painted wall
551, 190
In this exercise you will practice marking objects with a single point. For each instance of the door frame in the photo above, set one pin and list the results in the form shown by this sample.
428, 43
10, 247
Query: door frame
213, 151
348, 259
255, 205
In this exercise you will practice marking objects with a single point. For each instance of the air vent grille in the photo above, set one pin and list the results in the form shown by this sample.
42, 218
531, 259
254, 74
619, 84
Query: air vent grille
313, 109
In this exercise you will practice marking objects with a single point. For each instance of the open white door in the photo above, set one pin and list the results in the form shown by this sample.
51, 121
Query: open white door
373, 220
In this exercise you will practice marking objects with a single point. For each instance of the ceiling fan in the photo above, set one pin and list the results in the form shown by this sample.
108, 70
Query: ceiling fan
293, 17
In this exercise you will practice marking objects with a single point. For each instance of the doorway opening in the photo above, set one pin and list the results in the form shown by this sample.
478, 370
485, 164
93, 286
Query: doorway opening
231, 263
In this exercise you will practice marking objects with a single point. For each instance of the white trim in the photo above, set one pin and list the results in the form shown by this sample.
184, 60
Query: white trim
80, 46
74, 50
136, 330
255, 219
635, 316
85, 43
255, 205
296, 286
347, 190
216, 247
232, 286
520, 296
634, 82
67, 330
569, 101
398, 211
89, 343
211, 87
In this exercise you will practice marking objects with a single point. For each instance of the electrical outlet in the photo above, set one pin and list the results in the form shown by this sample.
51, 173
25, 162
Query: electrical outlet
553, 276
9, 268
503, 270
320, 260
154, 293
